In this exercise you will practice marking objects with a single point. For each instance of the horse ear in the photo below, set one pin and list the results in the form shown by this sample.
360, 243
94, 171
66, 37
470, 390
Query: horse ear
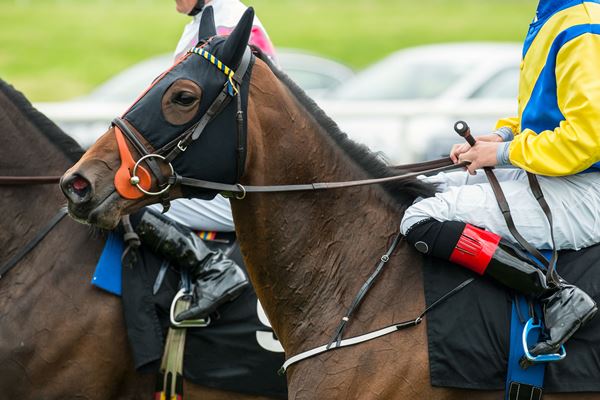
207, 24
238, 40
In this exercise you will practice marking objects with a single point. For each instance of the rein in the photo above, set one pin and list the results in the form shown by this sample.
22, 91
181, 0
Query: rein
28, 180
14, 260
239, 191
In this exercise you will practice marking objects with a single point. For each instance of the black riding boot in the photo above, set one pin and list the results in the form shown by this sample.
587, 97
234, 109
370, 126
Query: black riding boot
216, 278
566, 307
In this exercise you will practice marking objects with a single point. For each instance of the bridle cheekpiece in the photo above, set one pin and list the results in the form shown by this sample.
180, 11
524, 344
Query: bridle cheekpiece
133, 181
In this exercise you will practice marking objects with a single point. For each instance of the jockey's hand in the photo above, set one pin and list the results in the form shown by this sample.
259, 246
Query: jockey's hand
483, 154
461, 148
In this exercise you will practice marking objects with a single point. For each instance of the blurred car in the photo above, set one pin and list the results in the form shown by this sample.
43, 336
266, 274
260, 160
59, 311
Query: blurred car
316, 75
439, 72
425, 90
86, 117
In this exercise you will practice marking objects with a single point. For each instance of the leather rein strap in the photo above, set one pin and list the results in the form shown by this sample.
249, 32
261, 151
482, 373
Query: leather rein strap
28, 180
14, 260
239, 191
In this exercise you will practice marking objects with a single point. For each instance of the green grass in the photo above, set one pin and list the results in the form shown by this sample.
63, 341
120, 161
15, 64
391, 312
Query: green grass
57, 49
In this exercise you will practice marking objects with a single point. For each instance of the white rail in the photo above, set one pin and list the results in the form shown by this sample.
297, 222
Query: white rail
404, 131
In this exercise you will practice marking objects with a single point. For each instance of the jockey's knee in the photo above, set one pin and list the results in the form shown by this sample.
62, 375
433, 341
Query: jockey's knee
435, 238
423, 210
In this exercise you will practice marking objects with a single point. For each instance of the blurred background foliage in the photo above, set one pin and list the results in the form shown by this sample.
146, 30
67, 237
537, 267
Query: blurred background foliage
56, 49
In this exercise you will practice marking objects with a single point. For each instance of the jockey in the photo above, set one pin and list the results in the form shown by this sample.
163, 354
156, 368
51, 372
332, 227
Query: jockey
227, 14
556, 135
217, 279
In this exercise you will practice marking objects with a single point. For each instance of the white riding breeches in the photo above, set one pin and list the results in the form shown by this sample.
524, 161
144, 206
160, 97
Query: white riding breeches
574, 201
201, 215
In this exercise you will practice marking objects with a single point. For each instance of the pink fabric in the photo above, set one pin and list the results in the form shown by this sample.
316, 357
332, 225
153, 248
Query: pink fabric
258, 38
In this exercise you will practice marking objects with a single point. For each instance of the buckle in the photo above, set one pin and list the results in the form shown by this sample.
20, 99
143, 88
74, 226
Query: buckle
181, 146
135, 180
184, 296
528, 359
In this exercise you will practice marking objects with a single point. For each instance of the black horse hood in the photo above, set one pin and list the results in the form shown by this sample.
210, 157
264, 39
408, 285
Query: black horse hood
214, 155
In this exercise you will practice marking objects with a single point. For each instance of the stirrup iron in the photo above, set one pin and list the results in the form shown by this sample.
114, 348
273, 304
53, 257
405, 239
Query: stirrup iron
528, 359
185, 296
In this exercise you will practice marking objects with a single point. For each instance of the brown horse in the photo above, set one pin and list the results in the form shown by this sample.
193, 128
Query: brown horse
60, 338
308, 253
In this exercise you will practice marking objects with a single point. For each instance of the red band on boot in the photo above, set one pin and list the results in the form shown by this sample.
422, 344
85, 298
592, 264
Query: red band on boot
475, 249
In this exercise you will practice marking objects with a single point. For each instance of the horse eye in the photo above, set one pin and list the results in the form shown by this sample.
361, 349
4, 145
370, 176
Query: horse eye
185, 99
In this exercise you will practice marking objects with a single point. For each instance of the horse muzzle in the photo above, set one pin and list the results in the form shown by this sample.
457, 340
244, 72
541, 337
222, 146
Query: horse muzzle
85, 204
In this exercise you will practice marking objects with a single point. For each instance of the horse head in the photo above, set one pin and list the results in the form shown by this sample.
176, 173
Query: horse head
188, 122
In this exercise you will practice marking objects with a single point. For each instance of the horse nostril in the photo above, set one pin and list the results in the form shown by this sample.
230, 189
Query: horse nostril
80, 185
77, 188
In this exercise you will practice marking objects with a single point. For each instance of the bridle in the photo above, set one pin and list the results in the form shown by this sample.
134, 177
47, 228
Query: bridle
136, 176
177, 146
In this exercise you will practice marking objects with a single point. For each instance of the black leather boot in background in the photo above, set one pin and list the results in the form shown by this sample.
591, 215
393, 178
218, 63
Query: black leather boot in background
216, 278
218, 281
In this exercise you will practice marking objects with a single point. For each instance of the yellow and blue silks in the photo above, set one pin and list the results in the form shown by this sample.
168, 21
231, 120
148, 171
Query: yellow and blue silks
557, 132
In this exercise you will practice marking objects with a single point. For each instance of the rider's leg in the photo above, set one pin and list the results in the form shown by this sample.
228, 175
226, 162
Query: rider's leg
574, 200
201, 215
217, 279
433, 226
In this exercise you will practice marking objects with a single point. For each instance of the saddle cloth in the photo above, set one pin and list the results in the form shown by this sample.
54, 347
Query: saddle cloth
469, 334
230, 354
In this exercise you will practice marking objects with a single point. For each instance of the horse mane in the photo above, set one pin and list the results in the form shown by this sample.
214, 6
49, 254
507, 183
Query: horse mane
404, 192
55, 135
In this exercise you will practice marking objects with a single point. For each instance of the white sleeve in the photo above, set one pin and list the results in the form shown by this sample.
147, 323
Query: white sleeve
189, 37
201, 215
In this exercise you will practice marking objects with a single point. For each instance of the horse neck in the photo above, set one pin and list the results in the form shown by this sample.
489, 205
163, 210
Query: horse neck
26, 151
309, 253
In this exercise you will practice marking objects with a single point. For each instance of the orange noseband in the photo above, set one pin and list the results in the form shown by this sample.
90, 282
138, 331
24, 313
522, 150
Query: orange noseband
123, 183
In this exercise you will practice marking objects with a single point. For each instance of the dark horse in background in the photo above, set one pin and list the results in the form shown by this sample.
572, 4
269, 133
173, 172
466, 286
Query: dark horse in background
60, 338
308, 253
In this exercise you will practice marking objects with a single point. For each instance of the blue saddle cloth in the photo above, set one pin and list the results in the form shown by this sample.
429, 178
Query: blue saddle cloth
108, 270
469, 334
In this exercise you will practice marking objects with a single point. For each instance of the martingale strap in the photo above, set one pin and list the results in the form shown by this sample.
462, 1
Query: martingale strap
337, 338
337, 342
371, 335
